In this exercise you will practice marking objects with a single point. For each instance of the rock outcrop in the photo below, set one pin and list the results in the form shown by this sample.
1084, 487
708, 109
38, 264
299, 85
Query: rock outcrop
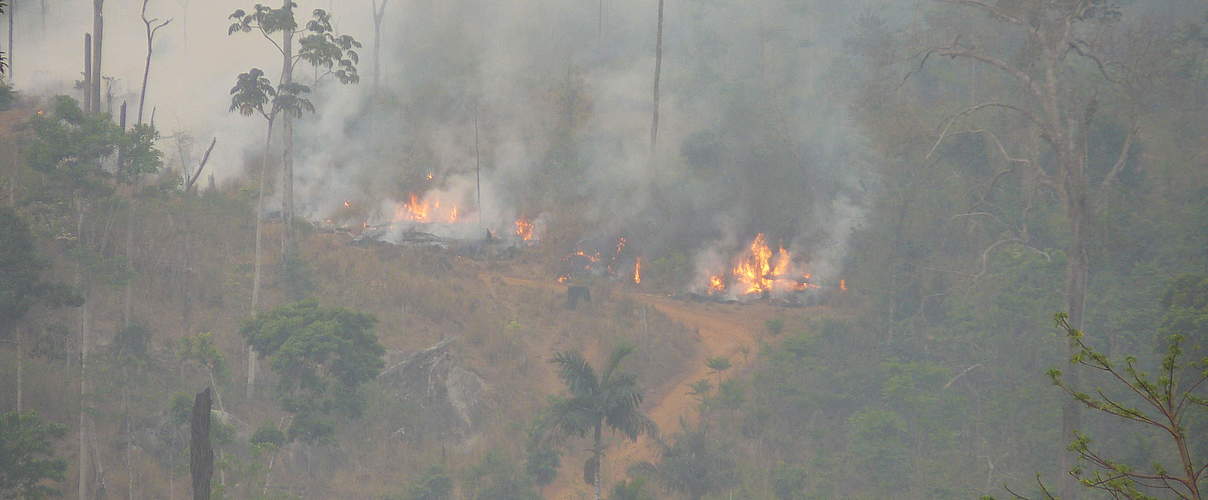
449, 401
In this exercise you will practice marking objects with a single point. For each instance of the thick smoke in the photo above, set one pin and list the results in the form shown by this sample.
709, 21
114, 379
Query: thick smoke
551, 98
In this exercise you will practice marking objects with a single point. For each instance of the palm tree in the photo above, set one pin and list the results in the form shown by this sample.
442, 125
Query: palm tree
611, 399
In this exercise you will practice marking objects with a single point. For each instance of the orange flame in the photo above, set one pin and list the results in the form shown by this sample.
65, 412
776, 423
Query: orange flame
563, 278
753, 270
347, 204
524, 229
843, 285
418, 210
637, 271
758, 270
429, 175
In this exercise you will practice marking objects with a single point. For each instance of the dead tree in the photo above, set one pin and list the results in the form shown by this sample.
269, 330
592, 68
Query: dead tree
576, 293
87, 71
192, 181
1062, 119
98, 35
142, 95
379, 13
201, 454
658, 68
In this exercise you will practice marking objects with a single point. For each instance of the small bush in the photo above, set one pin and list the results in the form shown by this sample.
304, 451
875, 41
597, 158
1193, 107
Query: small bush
774, 326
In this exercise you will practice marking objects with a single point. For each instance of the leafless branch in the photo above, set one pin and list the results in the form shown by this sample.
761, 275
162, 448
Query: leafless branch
962, 374
205, 158
1019, 74
994, 12
973, 109
1122, 160
1076, 46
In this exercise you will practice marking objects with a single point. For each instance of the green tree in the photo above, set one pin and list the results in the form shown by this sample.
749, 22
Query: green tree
27, 456
788, 482
254, 94
71, 145
201, 349
633, 489
322, 355
497, 477
434, 484
21, 267
328, 53
697, 464
1165, 404
717, 366
542, 458
609, 399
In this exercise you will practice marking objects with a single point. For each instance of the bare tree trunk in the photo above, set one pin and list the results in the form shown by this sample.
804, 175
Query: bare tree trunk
84, 463
98, 36
598, 452
129, 291
12, 14
142, 95
658, 68
83, 458
287, 170
20, 362
88, 72
201, 455
129, 440
251, 353
379, 12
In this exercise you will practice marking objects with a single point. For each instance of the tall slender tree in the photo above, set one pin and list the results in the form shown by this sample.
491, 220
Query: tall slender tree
379, 13
658, 69
98, 37
254, 95
321, 47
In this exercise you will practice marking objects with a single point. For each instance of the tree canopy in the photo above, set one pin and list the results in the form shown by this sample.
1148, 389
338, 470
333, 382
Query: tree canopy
322, 355
27, 456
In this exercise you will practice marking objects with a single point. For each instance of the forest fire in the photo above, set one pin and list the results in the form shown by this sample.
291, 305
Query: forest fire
637, 271
524, 229
759, 271
423, 210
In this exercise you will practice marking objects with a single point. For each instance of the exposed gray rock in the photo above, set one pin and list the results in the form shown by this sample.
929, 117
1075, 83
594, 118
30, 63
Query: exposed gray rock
450, 399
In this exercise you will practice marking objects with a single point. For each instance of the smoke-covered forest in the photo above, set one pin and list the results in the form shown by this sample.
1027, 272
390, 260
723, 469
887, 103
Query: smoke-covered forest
611, 249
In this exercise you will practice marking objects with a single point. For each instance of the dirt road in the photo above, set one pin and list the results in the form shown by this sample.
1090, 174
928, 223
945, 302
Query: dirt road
721, 330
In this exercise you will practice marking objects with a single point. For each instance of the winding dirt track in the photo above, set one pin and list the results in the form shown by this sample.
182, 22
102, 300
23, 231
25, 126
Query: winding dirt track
721, 330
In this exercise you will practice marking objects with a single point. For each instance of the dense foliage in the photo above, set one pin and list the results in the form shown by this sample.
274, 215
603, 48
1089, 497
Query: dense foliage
323, 355
28, 465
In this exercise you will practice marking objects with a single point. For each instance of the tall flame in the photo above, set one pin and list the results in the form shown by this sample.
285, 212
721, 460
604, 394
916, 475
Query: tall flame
758, 271
637, 271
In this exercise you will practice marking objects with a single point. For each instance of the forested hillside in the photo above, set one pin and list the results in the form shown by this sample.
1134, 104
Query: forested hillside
682, 249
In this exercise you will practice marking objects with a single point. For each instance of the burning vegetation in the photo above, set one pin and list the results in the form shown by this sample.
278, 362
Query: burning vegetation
524, 229
425, 211
758, 271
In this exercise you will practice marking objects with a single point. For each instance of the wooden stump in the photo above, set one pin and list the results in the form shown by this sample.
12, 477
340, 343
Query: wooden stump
575, 293
201, 455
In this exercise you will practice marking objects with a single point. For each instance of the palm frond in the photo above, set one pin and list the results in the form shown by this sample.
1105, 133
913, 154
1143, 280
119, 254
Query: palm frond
576, 373
615, 359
